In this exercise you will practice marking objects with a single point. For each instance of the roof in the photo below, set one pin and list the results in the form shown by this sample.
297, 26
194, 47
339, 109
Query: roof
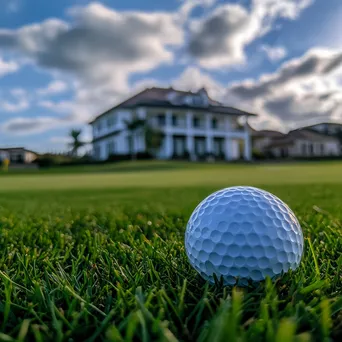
169, 97
9, 149
267, 134
311, 135
321, 123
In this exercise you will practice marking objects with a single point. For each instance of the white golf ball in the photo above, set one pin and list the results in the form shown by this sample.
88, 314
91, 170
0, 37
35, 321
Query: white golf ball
243, 234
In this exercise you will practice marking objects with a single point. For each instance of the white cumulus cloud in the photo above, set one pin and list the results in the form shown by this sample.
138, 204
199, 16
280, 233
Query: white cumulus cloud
274, 53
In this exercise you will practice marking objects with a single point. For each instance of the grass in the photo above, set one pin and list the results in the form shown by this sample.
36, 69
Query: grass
129, 175
101, 257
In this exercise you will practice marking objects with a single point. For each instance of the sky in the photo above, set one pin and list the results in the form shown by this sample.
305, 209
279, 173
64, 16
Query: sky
64, 62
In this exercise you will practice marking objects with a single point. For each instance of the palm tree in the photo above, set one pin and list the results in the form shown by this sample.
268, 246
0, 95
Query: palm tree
76, 142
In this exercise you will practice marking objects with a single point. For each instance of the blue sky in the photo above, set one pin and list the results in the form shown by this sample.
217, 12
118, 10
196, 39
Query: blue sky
63, 62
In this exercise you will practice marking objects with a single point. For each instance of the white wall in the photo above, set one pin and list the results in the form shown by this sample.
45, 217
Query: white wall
226, 128
332, 148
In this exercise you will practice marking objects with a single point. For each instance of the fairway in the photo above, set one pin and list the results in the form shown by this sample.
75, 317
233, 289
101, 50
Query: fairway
97, 254
173, 175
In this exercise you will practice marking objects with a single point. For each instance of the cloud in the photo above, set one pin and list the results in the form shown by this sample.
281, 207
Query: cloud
274, 53
99, 45
27, 126
60, 140
315, 63
32, 125
58, 107
220, 38
19, 102
8, 67
193, 79
189, 5
54, 87
12, 107
99, 48
304, 89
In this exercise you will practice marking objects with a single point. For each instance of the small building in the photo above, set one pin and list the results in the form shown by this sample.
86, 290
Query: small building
300, 143
18, 155
261, 139
190, 123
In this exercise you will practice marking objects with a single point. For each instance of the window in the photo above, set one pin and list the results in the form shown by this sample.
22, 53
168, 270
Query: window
111, 121
214, 123
196, 122
197, 101
110, 148
97, 152
311, 149
284, 152
179, 146
161, 120
99, 126
199, 146
219, 147
322, 149
174, 120
304, 149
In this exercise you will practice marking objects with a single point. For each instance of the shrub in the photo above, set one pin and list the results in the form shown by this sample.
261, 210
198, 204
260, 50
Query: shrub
257, 155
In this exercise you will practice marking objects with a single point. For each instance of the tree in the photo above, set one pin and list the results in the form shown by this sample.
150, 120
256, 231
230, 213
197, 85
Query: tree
153, 137
133, 126
76, 142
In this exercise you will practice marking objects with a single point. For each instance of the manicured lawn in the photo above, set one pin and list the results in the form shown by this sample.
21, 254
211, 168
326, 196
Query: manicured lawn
98, 254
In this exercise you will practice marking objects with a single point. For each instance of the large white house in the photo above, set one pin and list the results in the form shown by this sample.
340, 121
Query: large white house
190, 124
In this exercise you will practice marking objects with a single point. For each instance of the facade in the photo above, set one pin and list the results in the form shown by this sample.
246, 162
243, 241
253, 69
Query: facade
301, 143
190, 124
17, 155
262, 139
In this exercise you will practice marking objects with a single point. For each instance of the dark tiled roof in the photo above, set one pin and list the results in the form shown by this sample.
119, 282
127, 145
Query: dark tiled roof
267, 133
311, 135
160, 94
12, 149
161, 97
331, 124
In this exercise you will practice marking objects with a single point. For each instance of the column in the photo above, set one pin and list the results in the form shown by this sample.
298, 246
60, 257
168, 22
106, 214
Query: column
228, 148
189, 136
168, 134
209, 136
247, 152
168, 145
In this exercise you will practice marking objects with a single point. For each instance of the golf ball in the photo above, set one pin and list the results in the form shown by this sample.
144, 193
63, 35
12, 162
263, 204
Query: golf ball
243, 234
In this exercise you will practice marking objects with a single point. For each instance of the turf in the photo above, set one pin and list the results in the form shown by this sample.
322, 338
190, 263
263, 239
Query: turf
99, 255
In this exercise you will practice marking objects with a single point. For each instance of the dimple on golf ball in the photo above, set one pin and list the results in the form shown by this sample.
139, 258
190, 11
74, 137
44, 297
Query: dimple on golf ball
243, 234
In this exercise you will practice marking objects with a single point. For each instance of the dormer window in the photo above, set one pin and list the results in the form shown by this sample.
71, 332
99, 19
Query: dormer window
172, 97
197, 101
